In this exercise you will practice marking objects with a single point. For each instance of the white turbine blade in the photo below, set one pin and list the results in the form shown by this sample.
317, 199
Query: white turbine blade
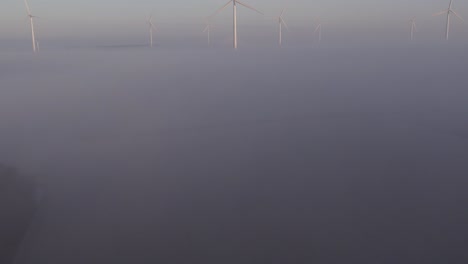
284, 23
150, 23
316, 22
206, 28
249, 7
222, 8
282, 12
441, 13
27, 7
317, 28
414, 27
459, 17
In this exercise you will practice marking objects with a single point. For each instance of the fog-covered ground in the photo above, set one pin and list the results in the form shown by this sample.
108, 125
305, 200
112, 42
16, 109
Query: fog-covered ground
304, 155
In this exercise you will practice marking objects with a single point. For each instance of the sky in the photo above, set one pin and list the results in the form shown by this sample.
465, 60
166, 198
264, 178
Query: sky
65, 19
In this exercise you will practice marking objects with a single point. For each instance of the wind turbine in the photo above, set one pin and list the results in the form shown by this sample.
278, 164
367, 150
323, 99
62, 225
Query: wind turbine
318, 29
449, 12
281, 23
234, 16
151, 29
208, 30
413, 27
33, 34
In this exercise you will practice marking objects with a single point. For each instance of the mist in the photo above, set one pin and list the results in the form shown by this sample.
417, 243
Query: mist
326, 154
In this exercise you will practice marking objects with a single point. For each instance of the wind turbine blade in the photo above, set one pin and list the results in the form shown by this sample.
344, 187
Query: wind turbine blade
441, 13
206, 28
27, 7
249, 7
282, 12
151, 25
284, 23
221, 8
317, 28
316, 22
455, 13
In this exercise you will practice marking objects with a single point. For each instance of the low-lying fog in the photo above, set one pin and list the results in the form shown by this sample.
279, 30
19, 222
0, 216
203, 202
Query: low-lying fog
322, 155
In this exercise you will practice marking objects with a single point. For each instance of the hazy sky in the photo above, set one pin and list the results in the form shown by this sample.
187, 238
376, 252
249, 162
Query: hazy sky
122, 16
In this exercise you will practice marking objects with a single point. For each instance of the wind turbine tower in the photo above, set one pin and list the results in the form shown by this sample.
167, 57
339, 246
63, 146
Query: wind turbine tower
318, 31
208, 30
234, 16
281, 23
449, 12
413, 28
33, 33
152, 28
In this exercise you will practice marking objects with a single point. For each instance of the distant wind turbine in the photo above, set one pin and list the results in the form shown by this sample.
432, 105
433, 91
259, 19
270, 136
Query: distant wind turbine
152, 28
318, 30
234, 16
449, 12
281, 23
208, 30
413, 27
33, 34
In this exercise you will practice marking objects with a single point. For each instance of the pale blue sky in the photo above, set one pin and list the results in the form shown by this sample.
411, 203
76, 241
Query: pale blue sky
62, 17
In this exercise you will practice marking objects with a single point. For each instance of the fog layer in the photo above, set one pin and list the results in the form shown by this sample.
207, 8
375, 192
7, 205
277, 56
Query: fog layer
323, 155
